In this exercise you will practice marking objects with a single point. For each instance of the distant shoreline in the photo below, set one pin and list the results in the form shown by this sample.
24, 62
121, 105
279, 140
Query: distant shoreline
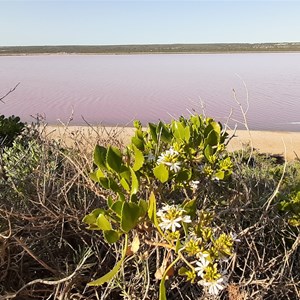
224, 48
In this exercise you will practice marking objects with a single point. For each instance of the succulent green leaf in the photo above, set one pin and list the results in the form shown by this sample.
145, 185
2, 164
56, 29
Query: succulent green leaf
125, 184
182, 271
110, 275
110, 201
162, 289
137, 124
161, 172
208, 152
104, 182
163, 133
111, 236
129, 216
117, 207
138, 158
196, 122
93, 176
143, 205
178, 130
212, 139
139, 143
103, 223
152, 209
114, 159
100, 156
125, 173
114, 186
96, 175
91, 218
183, 175
191, 207
187, 134
133, 198
134, 182
153, 132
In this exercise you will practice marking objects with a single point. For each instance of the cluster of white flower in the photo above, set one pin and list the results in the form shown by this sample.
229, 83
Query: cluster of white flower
170, 159
214, 286
171, 217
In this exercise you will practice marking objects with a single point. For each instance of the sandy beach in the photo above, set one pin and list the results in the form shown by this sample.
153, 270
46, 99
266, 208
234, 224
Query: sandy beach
273, 142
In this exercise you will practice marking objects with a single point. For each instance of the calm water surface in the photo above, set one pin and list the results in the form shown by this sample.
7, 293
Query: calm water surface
115, 89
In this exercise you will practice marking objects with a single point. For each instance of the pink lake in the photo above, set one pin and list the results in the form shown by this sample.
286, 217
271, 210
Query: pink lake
116, 89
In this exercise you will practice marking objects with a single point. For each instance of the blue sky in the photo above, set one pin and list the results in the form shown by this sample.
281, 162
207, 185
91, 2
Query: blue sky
147, 22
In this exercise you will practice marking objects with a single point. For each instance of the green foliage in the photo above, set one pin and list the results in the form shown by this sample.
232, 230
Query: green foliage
10, 128
291, 206
182, 155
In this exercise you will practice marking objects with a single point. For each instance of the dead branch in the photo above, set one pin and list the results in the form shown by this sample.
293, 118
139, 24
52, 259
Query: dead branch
9, 92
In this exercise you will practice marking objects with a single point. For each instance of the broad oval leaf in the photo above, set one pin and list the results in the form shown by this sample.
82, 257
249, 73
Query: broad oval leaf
129, 216
161, 172
163, 133
153, 133
117, 207
92, 217
104, 182
137, 142
208, 152
111, 236
190, 208
134, 182
103, 223
100, 156
143, 205
125, 184
114, 159
212, 139
178, 130
138, 158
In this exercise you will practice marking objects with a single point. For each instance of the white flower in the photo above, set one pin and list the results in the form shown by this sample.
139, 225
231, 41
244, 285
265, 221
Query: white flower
174, 166
170, 159
187, 219
167, 224
150, 157
194, 184
171, 216
164, 209
214, 287
202, 264
171, 152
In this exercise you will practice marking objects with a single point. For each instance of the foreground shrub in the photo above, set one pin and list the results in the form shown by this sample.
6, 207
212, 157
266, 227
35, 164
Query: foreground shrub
183, 157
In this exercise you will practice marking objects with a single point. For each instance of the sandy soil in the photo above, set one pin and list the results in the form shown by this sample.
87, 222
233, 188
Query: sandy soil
274, 142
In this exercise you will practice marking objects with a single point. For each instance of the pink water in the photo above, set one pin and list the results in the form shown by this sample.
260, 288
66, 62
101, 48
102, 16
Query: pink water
115, 89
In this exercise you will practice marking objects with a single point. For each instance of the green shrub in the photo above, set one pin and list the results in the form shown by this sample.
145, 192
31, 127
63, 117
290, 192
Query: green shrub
181, 157
10, 128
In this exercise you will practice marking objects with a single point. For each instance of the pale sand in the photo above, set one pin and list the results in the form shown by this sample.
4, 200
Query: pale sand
264, 141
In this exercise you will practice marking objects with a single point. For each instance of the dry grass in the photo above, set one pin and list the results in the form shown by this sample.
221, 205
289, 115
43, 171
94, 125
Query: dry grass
46, 252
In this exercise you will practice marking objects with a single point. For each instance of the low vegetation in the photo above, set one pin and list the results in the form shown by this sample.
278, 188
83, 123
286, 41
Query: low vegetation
171, 215
168, 48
